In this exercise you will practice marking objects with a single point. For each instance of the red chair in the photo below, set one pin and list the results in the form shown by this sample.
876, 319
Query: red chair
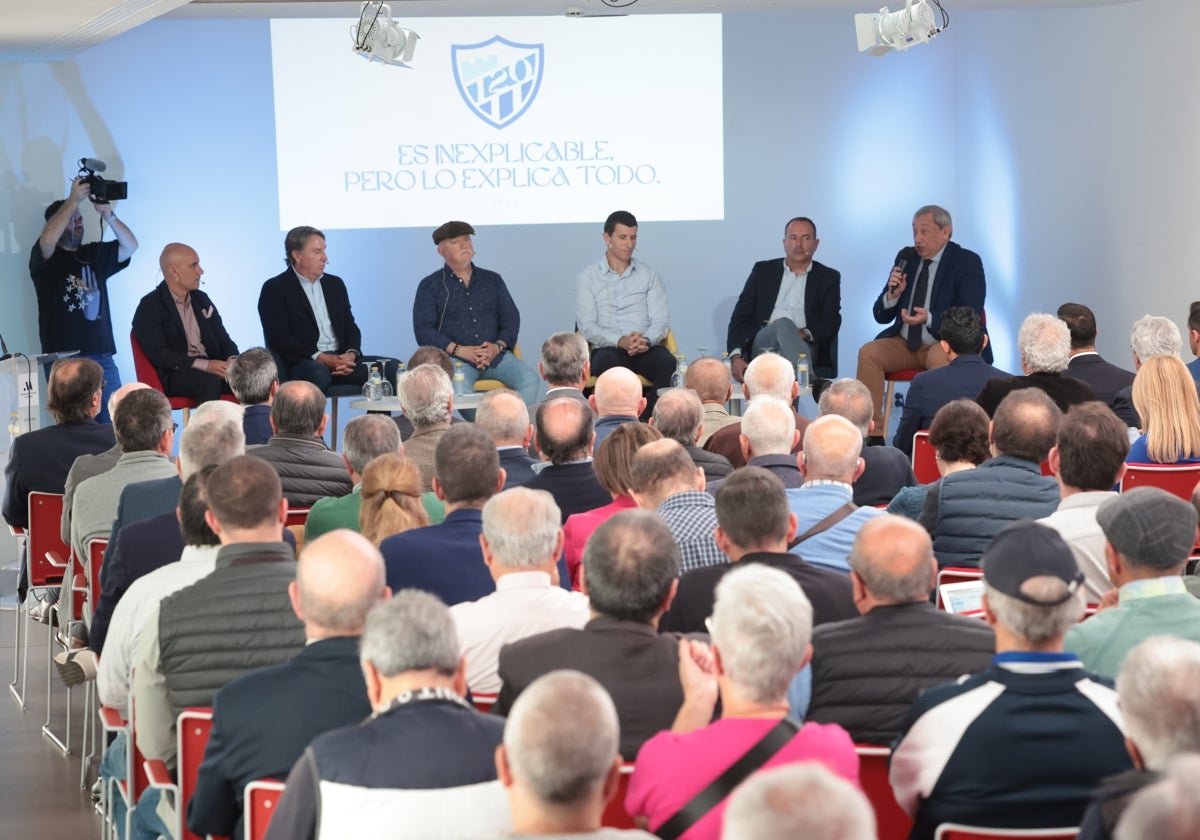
258, 807
890, 820
955, 574
297, 517
483, 702
954, 831
131, 787
924, 459
90, 596
1178, 480
615, 815
906, 375
148, 375
192, 730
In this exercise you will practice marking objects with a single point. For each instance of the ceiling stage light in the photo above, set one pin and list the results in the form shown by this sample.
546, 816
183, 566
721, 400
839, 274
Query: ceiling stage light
377, 37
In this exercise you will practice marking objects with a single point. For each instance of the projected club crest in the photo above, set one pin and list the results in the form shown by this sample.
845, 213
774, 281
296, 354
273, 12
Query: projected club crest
498, 78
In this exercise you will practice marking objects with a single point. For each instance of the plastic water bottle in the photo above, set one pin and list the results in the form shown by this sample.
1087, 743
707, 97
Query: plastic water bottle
802, 371
373, 390
460, 379
680, 374
728, 363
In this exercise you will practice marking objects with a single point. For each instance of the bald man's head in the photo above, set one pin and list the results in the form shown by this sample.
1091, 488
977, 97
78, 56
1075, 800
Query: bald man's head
121, 393
180, 266
564, 430
618, 393
339, 577
832, 445
893, 558
710, 379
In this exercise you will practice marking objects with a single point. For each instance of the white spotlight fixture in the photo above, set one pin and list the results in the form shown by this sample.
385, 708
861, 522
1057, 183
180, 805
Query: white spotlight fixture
377, 37
882, 32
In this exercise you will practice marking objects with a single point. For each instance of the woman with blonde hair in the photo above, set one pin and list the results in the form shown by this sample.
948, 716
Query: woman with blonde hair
391, 498
1164, 395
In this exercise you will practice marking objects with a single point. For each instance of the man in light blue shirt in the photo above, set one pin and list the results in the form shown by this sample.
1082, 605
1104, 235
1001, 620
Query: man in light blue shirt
621, 309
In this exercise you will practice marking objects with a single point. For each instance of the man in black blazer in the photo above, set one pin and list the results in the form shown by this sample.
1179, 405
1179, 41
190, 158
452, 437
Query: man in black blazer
564, 437
1045, 345
264, 720
1086, 364
307, 320
504, 416
790, 305
180, 330
926, 280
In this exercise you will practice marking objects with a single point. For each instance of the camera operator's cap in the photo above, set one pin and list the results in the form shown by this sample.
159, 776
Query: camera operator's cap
452, 229
1150, 526
1025, 550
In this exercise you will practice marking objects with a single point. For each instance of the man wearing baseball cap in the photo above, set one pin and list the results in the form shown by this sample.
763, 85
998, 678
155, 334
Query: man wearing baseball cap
1148, 534
467, 311
1021, 744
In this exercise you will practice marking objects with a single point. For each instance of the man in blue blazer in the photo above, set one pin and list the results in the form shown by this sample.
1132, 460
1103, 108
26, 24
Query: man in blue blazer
926, 280
962, 340
790, 305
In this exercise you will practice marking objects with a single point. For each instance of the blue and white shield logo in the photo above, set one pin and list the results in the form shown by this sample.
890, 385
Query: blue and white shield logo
498, 78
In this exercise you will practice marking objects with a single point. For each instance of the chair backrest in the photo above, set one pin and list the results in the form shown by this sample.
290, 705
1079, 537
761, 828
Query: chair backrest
1178, 480
615, 815
954, 831
890, 820
143, 367
483, 702
924, 459
297, 516
193, 728
45, 526
135, 762
96, 549
259, 806
954, 574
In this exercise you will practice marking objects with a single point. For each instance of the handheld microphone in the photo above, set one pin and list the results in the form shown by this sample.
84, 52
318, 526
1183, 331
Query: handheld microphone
906, 253
93, 164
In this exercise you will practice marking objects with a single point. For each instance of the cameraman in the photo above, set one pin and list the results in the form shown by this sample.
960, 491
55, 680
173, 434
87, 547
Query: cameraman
71, 280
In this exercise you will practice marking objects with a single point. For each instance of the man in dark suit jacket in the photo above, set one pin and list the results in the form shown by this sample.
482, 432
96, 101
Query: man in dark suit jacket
1086, 364
630, 573
885, 469
504, 416
564, 438
254, 378
679, 415
1045, 345
791, 305
963, 339
263, 721
180, 330
939, 274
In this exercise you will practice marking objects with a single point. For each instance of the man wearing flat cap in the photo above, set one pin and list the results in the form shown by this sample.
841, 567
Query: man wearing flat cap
1148, 534
1023, 743
467, 311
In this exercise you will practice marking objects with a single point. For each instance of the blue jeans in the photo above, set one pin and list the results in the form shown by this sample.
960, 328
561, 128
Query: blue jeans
511, 371
112, 381
145, 823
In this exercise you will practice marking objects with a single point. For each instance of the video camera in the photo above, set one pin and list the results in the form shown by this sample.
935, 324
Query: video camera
103, 191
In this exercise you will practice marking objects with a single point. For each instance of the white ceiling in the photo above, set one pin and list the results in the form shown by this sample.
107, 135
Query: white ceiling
49, 30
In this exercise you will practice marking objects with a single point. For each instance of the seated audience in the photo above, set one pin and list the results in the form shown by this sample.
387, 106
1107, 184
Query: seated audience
769, 374
711, 381
966, 509
798, 800
679, 415
666, 481
427, 397
1045, 345
1164, 395
630, 571
614, 470
885, 468
565, 439
339, 577
307, 469
503, 415
1106, 379
867, 671
365, 439
426, 356
617, 399
521, 542
1088, 461
392, 501
959, 437
1150, 336
1159, 690
754, 526
1168, 809
761, 627
423, 764
1148, 535
1193, 323
768, 438
254, 379
826, 517
1023, 743
446, 559
565, 366
560, 775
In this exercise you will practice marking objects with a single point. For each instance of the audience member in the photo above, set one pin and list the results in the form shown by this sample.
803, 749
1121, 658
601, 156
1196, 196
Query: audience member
1168, 809
826, 517
446, 559
613, 465
1148, 534
1088, 461
630, 571
617, 399
365, 439
565, 365
754, 525
392, 501
564, 438
968, 508
761, 629
798, 800
1150, 336
1164, 395
560, 775
885, 469
666, 481
423, 763
769, 374
1105, 378
426, 356
1045, 345
427, 398
339, 577
959, 438
1193, 323
1049, 729
710, 379
679, 415
307, 469
504, 416
254, 379
962, 339
768, 438
867, 671
521, 542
